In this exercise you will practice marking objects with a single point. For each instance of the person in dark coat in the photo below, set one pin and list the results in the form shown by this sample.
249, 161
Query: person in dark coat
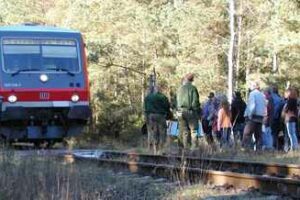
157, 109
275, 120
188, 111
290, 115
209, 118
238, 108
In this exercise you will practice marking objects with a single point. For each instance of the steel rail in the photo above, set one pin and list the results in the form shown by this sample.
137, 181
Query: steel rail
265, 184
192, 169
258, 168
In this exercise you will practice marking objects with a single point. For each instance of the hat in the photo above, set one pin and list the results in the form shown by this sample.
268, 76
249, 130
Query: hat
211, 95
189, 77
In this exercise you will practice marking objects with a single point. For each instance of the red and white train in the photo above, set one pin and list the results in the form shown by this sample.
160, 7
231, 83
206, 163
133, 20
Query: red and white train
44, 87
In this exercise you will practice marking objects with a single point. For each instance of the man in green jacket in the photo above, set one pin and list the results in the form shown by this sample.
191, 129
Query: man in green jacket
188, 111
157, 108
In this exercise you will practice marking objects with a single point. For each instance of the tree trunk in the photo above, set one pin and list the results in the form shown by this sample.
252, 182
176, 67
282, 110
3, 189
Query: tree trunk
239, 39
129, 94
275, 63
230, 50
144, 83
275, 26
177, 3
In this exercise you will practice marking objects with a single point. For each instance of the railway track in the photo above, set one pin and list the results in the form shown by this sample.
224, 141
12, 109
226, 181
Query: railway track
258, 168
268, 178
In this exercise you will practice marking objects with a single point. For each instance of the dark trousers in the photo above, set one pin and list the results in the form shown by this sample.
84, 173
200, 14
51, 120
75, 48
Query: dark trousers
188, 126
207, 128
157, 131
275, 127
225, 137
252, 128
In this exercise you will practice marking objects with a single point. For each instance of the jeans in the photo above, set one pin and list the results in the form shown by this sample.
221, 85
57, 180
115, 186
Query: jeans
291, 135
267, 138
225, 138
238, 130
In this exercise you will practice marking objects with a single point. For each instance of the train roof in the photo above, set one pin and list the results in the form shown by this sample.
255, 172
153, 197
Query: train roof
35, 28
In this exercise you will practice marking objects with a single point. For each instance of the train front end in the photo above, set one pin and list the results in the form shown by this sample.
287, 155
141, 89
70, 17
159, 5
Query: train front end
44, 86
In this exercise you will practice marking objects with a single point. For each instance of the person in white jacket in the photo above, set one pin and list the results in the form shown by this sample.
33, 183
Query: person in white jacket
254, 114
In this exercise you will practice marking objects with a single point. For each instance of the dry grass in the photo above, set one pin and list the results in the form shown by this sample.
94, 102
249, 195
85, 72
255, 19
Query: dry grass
49, 178
139, 145
206, 192
262, 156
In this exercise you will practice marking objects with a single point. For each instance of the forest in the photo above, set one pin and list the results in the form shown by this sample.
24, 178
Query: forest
127, 40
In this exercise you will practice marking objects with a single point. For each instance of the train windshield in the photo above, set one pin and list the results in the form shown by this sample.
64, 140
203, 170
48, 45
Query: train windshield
55, 55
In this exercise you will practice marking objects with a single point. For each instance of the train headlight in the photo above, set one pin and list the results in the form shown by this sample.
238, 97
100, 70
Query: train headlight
12, 98
75, 98
44, 78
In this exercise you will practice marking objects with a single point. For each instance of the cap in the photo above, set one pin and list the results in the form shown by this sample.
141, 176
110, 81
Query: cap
211, 95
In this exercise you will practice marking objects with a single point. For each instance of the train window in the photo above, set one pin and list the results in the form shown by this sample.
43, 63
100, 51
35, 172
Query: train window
59, 52
18, 57
54, 55
19, 49
60, 58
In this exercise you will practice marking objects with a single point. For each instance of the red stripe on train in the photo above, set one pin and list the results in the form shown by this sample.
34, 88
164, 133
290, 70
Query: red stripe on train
45, 94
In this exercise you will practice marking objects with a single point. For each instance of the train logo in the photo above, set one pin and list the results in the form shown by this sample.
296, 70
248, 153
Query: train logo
44, 95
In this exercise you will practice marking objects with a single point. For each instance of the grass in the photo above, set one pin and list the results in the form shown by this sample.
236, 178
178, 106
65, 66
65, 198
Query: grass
207, 192
44, 178
292, 157
139, 144
49, 178
136, 142
264, 156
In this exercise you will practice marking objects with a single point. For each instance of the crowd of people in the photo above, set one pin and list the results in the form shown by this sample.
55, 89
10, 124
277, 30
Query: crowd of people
267, 121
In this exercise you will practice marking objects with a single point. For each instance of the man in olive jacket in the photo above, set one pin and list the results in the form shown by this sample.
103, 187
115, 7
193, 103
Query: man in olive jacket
188, 111
157, 108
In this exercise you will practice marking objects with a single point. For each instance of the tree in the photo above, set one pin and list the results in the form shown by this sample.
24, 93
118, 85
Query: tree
174, 37
231, 49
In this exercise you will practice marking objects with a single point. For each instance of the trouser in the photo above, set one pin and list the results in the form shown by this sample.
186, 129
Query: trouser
291, 136
275, 127
267, 138
238, 130
208, 130
188, 127
225, 137
252, 128
157, 130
